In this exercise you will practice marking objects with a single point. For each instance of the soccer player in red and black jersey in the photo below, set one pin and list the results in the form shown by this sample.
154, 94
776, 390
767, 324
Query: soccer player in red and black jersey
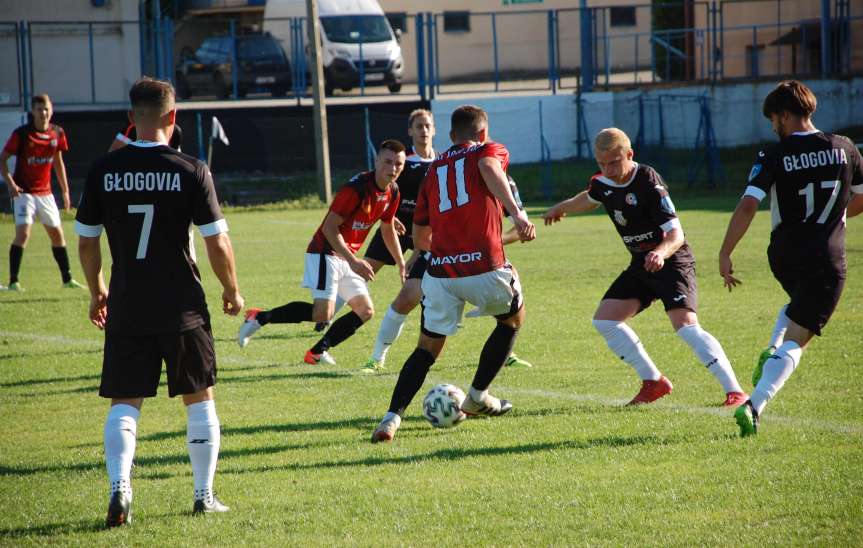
144, 197
662, 266
810, 177
37, 147
458, 219
332, 268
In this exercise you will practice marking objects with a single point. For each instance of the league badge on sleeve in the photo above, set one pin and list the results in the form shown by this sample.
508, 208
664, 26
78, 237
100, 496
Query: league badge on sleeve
631, 199
753, 173
667, 205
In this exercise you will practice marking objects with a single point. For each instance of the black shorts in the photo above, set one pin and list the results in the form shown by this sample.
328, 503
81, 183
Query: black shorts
814, 283
133, 364
378, 251
418, 269
674, 284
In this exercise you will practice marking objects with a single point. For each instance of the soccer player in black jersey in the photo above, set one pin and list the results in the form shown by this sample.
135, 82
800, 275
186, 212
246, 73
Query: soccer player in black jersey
662, 267
130, 134
810, 176
145, 196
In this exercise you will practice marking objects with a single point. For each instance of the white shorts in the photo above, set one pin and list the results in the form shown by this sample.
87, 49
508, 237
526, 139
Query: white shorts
328, 276
27, 206
493, 293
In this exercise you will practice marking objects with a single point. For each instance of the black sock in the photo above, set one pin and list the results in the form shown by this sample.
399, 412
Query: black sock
497, 348
294, 312
62, 259
341, 329
411, 378
15, 254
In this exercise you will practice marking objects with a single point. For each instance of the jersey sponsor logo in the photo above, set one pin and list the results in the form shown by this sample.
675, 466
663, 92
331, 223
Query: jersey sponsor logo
40, 161
416, 166
460, 258
753, 173
631, 199
383, 198
667, 205
359, 225
619, 218
678, 298
638, 237
807, 160
140, 181
607, 193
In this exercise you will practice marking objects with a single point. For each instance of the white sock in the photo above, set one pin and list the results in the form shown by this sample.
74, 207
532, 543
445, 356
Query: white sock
477, 395
121, 430
777, 369
389, 331
778, 335
710, 353
623, 341
202, 440
392, 416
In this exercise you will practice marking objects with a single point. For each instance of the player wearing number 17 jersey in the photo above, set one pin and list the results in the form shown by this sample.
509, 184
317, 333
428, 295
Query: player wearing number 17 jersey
458, 219
145, 196
810, 176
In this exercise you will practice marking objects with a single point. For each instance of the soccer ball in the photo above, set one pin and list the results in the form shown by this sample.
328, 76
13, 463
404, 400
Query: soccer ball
442, 406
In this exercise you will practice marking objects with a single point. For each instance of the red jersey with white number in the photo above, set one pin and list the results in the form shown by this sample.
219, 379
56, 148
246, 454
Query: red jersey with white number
360, 203
463, 214
34, 151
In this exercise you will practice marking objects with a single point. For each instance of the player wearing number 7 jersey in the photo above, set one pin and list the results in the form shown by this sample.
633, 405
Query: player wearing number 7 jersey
145, 196
809, 176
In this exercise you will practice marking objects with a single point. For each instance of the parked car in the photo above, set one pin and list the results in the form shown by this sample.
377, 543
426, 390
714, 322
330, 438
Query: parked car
208, 71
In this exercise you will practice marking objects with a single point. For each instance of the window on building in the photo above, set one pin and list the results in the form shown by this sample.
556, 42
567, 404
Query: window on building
456, 21
398, 21
623, 16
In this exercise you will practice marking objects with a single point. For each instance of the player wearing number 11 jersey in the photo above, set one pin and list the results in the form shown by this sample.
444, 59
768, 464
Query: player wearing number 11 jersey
810, 176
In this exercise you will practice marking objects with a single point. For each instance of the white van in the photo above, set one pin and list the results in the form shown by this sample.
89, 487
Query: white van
351, 30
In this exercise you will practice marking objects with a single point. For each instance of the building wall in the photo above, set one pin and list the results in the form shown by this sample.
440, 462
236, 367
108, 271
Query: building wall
61, 52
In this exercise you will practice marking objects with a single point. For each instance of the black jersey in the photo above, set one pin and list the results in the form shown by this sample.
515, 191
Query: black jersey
809, 177
641, 210
146, 195
409, 184
129, 134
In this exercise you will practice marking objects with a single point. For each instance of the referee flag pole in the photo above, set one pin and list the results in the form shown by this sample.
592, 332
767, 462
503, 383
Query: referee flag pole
322, 146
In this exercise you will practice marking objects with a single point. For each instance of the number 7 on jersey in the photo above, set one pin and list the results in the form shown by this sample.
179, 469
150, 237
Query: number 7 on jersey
147, 210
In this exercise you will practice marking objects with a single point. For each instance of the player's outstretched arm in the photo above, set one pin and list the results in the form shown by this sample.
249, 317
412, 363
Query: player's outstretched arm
737, 227
391, 240
221, 255
580, 203
495, 179
90, 255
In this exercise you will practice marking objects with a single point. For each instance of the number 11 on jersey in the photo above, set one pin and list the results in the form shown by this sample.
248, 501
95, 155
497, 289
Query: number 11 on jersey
461, 197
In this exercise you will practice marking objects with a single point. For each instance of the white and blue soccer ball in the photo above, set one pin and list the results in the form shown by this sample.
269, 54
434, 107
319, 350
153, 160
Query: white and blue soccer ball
442, 406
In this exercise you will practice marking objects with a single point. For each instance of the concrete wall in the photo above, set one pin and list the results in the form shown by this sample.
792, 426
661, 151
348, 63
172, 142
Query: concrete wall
735, 111
61, 51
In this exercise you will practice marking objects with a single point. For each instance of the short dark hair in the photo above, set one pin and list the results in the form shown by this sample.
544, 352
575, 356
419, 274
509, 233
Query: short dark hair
467, 121
151, 94
393, 145
40, 99
790, 96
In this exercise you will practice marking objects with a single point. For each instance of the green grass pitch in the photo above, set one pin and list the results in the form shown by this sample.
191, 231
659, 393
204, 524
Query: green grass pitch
569, 466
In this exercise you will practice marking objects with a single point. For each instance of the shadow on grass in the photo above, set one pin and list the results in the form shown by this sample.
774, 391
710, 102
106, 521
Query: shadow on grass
32, 300
64, 352
53, 529
310, 375
275, 336
33, 382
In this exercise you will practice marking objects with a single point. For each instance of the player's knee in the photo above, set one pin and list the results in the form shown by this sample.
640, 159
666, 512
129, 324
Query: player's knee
365, 312
405, 303
321, 315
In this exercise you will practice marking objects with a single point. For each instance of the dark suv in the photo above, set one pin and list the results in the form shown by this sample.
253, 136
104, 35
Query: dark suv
263, 67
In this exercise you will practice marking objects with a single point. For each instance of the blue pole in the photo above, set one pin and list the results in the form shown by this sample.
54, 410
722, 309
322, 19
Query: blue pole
825, 38
586, 47
29, 35
202, 155
235, 68
552, 81
369, 147
169, 50
157, 35
92, 63
436, 57
421, 69
721, 40
362, 68
432, 79
754, 51
494, 50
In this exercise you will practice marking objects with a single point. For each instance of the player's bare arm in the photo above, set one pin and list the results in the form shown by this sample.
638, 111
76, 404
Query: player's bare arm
495, 179
580, 203
330, 228
737, 227
90, 255
391, 240
221, 255
60, 170
401, 229
855, 206
654, 260
14, 190
422, 238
